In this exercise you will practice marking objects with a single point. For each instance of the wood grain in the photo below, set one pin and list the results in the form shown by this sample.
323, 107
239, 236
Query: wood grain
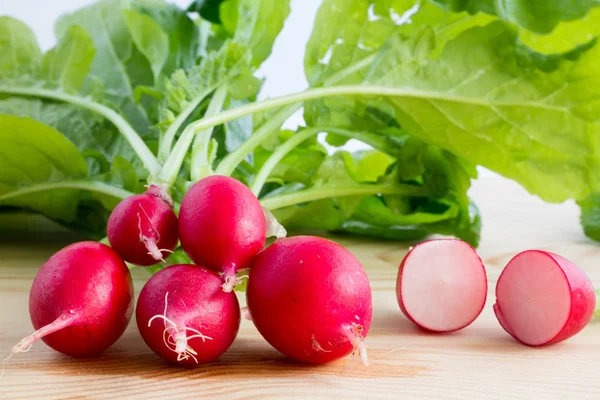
479, 362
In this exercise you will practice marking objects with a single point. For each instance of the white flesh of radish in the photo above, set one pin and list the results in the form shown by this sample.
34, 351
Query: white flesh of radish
444, 285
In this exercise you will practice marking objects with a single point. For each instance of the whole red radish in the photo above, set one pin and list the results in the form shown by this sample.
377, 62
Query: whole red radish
80, 301
310, 299
442, 285
184, 315
543, 298
143, 228
221, 226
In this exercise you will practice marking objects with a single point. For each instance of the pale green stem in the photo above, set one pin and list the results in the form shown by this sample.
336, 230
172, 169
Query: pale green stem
166, 142
205, 28
228, 164
200, 162
171, 168
91, 186
278, 154
136, 142
357, 90
318, 193
597, 312
376, 141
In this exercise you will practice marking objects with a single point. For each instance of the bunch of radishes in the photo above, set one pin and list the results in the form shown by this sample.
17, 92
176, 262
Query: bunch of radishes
541, 298
309, 297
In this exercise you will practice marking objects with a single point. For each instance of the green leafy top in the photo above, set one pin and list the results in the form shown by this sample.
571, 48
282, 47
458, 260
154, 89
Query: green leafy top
487, 101
434, 87
540, 16
485, 97
64, 67
35, 154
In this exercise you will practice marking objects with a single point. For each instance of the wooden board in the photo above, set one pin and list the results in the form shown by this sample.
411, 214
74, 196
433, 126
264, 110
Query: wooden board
480, 362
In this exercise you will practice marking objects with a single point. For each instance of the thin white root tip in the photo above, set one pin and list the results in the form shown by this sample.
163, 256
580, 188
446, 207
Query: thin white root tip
181, 343
23, 346
363, 354
175, 338
26, 343
228, 286
153, 250
246, 313
357, 339
59, 323
231, 281
150, 242
4, 364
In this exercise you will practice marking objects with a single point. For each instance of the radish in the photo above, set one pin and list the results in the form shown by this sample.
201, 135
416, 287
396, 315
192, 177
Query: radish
184, 315
442, 285
310, 299
143, 228
81, 300
222, 226
543, 298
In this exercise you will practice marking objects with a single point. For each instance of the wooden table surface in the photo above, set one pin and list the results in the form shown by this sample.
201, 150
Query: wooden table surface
479, 362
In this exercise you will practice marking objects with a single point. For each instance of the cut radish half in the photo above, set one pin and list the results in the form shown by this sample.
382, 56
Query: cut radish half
543, 298
442, 285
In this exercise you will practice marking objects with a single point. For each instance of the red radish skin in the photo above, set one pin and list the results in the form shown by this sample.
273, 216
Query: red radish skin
185, 317
442, 285
143, 228
222, 226
81, 300
310, 299
543, 298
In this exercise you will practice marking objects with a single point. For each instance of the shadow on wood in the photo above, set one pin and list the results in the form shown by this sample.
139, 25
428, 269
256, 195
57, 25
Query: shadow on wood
246, 358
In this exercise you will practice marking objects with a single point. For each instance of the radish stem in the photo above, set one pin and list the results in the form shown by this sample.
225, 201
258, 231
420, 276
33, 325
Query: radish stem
171, 168
167, 140
376, 141
228, 164
350, 90
278, 154
91, 186
200, 162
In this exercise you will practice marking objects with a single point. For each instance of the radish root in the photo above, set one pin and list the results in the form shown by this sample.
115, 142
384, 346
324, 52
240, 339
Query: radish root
150, 242
59, 323
316, 346
246, 313
357, 339
26, 343
4, 364
176, 339
232, 280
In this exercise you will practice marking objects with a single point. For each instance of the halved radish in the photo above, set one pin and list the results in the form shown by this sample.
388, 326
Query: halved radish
442, 285
543, 298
